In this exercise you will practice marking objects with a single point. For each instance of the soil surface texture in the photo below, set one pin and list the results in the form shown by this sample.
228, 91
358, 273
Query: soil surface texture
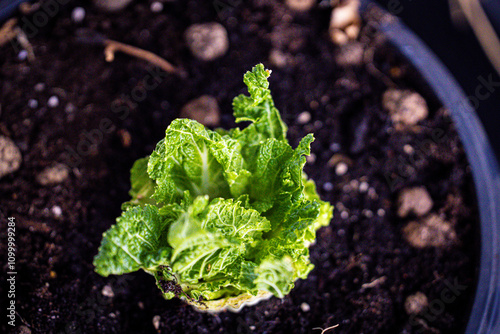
400, 255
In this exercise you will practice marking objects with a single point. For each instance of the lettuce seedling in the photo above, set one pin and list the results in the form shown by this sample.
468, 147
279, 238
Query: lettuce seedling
220, 218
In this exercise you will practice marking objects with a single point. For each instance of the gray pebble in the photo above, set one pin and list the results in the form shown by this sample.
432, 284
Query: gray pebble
53, 175
304, 117
156, 7
39, 87
22, 55
32, 103
328, 186
107, 291
300, 5
416, 303
405, 106
10, 156
53, 101
433, 231
207, 41
341, 168
78, 14
414, 200
204, 109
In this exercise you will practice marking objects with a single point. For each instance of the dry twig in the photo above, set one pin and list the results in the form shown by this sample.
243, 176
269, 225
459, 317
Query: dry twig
27, 8
9, 31
111, 47
326, 329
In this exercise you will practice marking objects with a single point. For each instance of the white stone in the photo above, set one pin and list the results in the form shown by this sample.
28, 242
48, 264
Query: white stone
414, 200
156, 7
22, 55
156, 322
363, 187
207, 41
433, 231
341, 168
78, 14
57, 211
416, 303
405, 106
108, 291
53, 101
300, 5
305, 307
304, 117
10, 156
32, 103
328, 186
52, 175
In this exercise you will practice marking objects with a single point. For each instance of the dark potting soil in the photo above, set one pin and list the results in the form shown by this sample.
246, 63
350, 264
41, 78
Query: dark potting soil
59, 227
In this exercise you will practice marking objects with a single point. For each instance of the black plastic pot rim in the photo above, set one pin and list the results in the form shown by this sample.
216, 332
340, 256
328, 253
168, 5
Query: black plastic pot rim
485, 313
7, 7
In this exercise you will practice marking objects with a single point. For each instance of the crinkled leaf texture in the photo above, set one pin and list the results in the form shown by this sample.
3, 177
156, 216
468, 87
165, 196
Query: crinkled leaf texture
220, 218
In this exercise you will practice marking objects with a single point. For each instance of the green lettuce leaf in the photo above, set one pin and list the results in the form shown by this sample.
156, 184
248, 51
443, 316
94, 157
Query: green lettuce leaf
220, 218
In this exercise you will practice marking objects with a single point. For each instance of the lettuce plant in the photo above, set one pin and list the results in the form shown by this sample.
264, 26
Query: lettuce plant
220, 218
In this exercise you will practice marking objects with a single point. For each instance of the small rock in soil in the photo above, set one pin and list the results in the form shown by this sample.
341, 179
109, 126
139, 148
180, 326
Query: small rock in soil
280, 59
207, 41
32, 103
108, 291
311, 159
300, 5
304, 117
405, 106
53, 101
416, 303
328, 186
305, 307
341, 168
433, 231
53, 175
10, 156
414, 200
204, 109
344, 14
156, 7
350, 54
353, 30
363, 187
156, 322
22, 55
39, 87
57, 211
78, 14
24, 330
345, 22
111, 5
125, 137
338, 36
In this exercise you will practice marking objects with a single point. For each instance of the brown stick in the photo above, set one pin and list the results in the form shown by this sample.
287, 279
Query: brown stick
113, 46
7, 32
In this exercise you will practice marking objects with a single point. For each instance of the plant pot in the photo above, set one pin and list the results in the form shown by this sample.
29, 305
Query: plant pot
80, 291
484, 316
8, 7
